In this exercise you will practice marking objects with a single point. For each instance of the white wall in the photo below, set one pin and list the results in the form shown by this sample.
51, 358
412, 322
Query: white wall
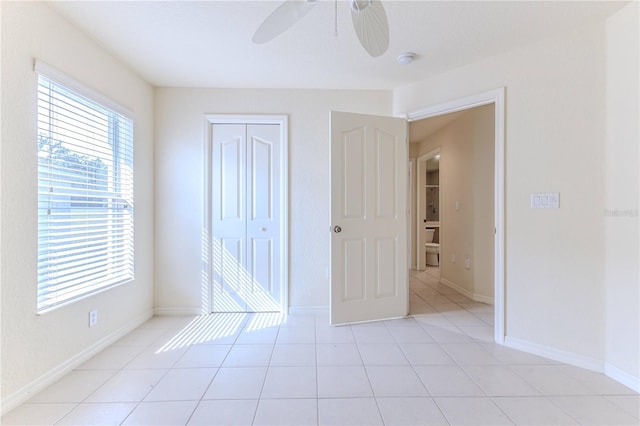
179, 178
621, 275
554, 134
33, 345
556, 141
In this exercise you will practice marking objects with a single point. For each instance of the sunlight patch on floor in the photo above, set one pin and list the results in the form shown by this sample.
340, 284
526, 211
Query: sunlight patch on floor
205, 328
212, 327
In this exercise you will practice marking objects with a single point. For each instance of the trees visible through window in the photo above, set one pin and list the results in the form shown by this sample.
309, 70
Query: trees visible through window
85, 196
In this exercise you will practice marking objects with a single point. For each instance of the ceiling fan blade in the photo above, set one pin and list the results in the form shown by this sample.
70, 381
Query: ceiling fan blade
371, 25
287, 14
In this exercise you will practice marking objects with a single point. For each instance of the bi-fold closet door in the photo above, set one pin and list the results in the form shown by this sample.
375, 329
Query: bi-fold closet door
245, 217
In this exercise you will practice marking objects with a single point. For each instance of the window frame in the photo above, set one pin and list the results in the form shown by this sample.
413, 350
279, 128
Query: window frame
103, 196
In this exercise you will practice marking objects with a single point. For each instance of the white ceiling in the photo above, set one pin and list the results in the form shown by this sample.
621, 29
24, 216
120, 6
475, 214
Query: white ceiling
208, 43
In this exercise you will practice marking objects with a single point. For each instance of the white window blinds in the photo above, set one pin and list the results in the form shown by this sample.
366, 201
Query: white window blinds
85, 196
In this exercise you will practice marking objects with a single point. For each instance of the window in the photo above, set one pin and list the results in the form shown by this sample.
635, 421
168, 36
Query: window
85, 193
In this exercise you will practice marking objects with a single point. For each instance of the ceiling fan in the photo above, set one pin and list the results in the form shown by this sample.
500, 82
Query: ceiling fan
369, 21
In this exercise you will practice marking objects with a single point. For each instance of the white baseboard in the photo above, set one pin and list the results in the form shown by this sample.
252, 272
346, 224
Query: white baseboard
555, 354
621, 376
51, 376
574, 359
198, 311
483, 299
473, 296
308, 309
184, 311
175, 312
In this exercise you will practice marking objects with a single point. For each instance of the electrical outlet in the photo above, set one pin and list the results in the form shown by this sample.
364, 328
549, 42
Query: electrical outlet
453, 258
93, 318
467, 262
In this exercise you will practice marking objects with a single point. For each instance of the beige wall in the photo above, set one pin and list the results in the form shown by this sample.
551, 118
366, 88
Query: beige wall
482, 177
557, 141
621, 274
33, 345
179, 179
466, 175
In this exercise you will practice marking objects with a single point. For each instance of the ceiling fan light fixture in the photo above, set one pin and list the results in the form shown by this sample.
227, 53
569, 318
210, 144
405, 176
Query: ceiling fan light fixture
406, 58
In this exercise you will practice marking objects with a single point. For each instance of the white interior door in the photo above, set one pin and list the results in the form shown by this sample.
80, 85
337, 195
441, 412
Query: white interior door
245, 173
262, 292
368, 218
228, 216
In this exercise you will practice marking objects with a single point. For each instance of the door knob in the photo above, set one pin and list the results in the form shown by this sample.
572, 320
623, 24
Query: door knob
337, 229
262, 228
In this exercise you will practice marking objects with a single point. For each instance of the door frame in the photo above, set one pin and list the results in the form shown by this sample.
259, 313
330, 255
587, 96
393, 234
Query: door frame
283, 256
410, 209
495, 97
420, 207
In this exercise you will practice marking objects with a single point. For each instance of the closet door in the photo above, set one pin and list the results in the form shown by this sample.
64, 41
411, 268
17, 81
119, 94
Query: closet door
229, 218
246, 218
262, 292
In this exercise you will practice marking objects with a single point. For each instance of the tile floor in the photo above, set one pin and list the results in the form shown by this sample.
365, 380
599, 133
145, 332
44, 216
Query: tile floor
437, 367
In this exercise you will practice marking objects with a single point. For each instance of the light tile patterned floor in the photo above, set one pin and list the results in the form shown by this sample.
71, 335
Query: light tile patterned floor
438, 367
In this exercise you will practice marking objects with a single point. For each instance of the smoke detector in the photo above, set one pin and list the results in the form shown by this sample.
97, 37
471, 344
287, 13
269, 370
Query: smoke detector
406, 58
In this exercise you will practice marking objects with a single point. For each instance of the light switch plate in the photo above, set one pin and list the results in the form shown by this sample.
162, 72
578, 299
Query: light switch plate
545, 200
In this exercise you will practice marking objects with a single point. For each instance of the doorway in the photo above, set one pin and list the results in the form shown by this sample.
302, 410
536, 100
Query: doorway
495, 97
340, 296
428, 226
245, 213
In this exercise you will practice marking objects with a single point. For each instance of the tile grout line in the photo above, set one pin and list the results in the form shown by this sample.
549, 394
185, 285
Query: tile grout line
212, 379
264, 381
116, 371
139, 403
315, 347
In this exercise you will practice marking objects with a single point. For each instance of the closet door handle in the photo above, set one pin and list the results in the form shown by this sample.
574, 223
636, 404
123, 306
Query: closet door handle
263, 229
337, 229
